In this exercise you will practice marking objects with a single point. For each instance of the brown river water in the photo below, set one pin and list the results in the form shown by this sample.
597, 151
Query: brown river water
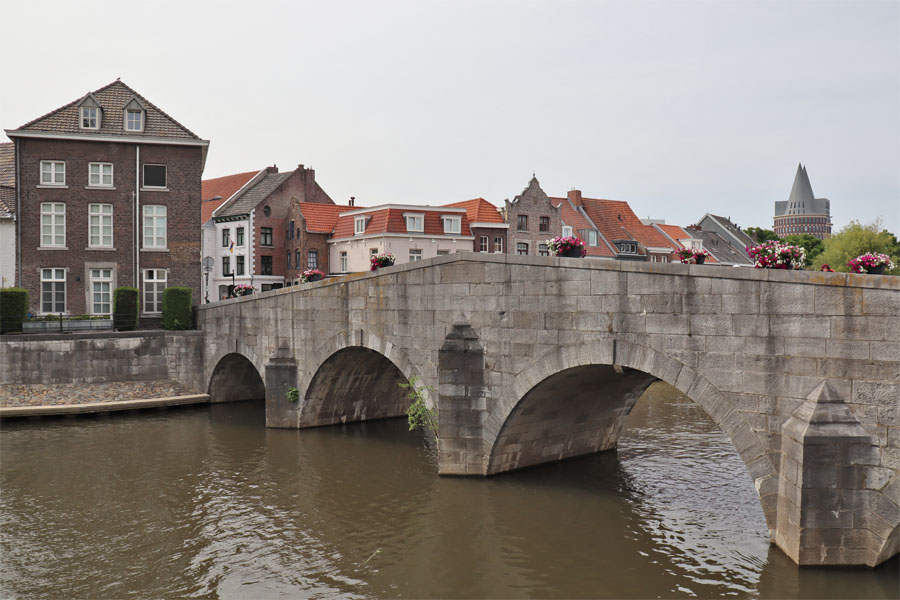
206, 502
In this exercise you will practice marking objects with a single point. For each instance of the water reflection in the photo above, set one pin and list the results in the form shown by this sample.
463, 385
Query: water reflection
206, 502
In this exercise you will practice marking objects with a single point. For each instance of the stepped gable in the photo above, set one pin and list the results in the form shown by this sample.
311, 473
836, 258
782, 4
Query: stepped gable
112, 99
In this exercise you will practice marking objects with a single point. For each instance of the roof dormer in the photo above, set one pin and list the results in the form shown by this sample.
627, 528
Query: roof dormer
90, 113
135, 116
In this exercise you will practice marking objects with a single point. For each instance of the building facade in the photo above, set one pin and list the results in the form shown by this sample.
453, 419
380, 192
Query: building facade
489, 230
728, 231
7, 215
109, 193
533, 218
802, 212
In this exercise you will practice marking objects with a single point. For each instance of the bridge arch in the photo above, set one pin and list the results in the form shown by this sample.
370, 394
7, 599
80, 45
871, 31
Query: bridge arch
356, 377
569, 378
235, 377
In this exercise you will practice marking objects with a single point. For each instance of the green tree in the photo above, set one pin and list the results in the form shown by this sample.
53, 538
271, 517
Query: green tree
418, 414
856, 239
808, 242
760, 235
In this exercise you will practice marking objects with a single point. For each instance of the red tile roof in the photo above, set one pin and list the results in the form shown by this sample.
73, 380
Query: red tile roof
322, 218
675, 232
616, 221
479, 210
224, 187
574, 219
390, 220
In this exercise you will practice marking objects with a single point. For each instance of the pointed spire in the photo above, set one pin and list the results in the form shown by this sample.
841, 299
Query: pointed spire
801, 192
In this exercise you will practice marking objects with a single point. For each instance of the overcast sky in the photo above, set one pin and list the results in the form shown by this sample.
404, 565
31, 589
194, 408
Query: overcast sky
680, 108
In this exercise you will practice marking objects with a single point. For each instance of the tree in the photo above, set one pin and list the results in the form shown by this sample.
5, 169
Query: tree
856, 239
808, 242
760, 235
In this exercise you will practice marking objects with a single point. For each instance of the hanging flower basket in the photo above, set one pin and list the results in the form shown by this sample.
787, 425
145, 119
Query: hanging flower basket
381, 260
310, 275
873, 263
689, 255
775, 255
243, 289
570, 247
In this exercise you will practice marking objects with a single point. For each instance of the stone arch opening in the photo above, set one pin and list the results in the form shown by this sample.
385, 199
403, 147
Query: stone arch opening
355, 384
576, 411
236, 378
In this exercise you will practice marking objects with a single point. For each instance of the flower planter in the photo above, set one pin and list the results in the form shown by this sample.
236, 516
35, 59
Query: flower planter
572, 253
879, 270
700, 259
315, 277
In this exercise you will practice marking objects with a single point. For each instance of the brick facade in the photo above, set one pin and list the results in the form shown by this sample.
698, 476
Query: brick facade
533, 204
181, 257
492, 233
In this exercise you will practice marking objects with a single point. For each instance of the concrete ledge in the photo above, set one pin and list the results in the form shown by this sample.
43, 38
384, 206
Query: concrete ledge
97, 407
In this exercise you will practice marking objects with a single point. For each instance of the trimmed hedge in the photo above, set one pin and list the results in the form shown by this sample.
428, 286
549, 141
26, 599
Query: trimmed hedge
176, 308
13, 308
125, 308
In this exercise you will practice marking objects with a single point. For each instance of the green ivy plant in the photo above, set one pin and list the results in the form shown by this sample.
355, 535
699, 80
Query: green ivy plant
418, 414
292, 394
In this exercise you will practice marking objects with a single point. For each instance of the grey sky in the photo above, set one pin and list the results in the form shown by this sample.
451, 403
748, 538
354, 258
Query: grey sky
680, 108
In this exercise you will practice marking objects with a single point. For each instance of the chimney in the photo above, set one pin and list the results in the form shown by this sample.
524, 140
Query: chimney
272, 169
352, 201
300, 167
575, 197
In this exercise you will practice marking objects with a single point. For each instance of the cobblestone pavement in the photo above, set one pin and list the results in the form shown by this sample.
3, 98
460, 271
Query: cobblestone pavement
80, 393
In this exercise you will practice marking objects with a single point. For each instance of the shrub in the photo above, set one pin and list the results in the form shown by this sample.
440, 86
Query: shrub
176, 308
13, 307
125, 308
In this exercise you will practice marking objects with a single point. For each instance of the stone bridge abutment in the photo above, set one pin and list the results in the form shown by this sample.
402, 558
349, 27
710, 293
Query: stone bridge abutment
534, 359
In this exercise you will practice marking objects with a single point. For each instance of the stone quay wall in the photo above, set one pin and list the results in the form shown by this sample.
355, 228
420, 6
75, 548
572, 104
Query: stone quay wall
47, 369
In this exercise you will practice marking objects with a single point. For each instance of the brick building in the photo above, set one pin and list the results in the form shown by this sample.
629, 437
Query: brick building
256, 229
486, 225
315, 224
533, 219
802, 212
108, 187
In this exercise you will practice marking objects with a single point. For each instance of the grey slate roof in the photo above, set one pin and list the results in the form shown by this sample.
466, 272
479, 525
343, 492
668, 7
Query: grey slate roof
112, 99
730, 232
723, 251
252, 196
802, 201
7, 202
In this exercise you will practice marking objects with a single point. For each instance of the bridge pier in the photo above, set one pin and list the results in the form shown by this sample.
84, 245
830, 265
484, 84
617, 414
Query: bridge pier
831, 509
281, 376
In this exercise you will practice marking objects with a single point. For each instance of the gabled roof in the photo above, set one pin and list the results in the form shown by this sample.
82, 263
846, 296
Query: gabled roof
479, 210
577, 220
720, 249
7, 202
245, 201
729, 229
223, 187
112, 98
674, 233
616, 221
390, 220
322, 218
8, 165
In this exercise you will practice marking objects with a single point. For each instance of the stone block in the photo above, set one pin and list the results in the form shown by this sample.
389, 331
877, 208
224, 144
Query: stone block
776, 298
703, 303
881, 302
667, 323
800, 326
607, 282
710, 325
740, 304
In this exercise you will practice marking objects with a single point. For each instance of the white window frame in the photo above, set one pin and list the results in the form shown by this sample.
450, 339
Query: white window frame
57, 170
128, 121
593, 238
452, 225
100, 275
484, 244
100, 174
54, 278
543, 250
415, 222
50, 211
519, 248
359, 225
144, 177
83, 116
152, 214
443, 253
415, 254
97, 214
567, 231
312, 264
344, 262
498, 245
151, 287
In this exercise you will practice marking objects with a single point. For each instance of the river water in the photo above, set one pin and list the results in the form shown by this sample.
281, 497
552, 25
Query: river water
207, 502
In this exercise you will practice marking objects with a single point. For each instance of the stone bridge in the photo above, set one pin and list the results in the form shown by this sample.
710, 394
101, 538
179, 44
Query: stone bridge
537, 359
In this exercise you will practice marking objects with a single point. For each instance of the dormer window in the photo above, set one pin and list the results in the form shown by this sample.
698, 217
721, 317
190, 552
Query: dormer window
452, 225
415, 223
626, 247
359, 225
567, 231
134, 115
592, 237
90, 118
134, 120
